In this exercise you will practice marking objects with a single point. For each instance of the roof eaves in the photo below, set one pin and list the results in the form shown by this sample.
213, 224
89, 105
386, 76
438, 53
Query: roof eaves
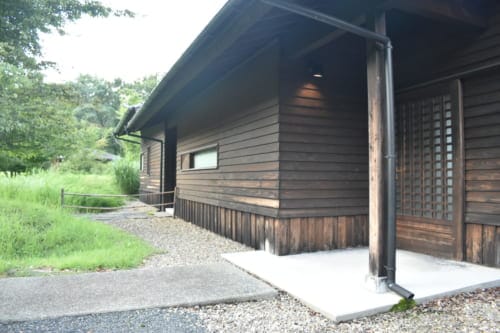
143, 114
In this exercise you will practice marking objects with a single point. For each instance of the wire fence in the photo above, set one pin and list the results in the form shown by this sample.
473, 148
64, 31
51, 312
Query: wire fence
162, 201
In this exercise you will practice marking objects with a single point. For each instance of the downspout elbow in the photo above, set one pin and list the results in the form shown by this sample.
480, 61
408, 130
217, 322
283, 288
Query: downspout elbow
393, 286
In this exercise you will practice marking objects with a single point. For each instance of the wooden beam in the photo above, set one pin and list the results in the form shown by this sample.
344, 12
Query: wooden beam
462, 11
325, 39
376, 130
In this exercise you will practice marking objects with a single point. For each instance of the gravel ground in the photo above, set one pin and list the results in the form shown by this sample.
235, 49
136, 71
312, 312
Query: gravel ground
186, 244
181, 243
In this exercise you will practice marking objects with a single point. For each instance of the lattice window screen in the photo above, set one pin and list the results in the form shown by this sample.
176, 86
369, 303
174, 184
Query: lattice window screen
425, 158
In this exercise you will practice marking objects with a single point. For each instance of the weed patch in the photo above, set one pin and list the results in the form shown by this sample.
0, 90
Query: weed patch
403, 305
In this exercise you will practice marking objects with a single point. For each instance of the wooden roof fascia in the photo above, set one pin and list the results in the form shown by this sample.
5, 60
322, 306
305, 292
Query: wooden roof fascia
206, 53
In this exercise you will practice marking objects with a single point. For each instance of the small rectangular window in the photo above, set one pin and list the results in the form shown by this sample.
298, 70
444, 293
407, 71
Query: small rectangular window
204, 158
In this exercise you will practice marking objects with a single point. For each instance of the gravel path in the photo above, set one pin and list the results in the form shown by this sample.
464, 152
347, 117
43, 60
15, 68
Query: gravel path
181, 243
186, 244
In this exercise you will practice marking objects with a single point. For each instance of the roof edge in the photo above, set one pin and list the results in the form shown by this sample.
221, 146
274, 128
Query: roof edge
138, 118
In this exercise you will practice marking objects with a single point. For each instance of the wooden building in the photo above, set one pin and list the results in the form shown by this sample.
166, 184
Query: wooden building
265, 122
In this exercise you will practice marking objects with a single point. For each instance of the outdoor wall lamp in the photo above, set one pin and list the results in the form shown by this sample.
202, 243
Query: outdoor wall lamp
316, 70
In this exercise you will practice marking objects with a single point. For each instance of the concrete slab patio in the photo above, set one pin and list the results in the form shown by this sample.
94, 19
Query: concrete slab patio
332, 282
53, 296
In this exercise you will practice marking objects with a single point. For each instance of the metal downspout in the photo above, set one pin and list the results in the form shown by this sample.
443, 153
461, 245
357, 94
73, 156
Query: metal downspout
390, 123
391, 178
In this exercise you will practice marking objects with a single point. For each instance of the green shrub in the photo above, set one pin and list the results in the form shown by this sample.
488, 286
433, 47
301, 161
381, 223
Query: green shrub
83, 161
127, 176
11, 164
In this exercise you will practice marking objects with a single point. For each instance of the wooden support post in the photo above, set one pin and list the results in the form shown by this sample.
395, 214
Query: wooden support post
175, 203
170, 172
458, 168
62, 197
376, 134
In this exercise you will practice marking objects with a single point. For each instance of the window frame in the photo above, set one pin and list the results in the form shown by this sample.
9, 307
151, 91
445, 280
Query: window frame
188, 155
148, 161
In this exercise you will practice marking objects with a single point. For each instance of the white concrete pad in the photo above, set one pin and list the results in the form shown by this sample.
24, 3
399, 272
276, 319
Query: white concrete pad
333, 282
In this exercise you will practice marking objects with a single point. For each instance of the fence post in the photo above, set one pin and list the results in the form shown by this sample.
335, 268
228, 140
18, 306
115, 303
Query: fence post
62, 197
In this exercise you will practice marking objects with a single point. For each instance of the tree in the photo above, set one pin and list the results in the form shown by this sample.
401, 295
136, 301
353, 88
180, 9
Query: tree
138, 91
36, 120
21, 22
97, 110
132, 94
98, 101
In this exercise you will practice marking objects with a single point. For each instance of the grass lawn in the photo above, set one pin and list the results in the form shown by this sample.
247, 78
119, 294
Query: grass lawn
36, 233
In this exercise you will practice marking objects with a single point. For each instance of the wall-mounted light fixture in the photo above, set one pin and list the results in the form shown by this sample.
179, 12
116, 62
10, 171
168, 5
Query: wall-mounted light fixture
316, 70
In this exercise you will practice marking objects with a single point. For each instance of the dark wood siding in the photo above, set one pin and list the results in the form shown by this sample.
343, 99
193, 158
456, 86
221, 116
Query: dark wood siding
481, 122
247, 175
482, 148
475, 51
239, 115
323, 150
482, 165
279, 236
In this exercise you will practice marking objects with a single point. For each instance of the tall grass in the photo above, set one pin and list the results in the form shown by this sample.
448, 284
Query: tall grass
36, 232
45, 188
32, 235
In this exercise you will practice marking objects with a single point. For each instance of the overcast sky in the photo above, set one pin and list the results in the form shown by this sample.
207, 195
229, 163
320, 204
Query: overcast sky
128, 48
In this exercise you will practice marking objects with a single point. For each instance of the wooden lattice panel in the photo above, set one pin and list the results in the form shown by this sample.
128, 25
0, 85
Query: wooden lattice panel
425, 158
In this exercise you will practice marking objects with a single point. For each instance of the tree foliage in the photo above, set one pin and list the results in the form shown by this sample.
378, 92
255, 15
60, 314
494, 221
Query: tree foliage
136, 92
36, 121
22, 21
40, 121
132, 94
98, 101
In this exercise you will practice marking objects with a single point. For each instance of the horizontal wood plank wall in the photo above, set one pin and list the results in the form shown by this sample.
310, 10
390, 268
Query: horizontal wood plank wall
279, 236
482, 143
150, 183
483, 50
482, 146
433, 237
323, 149
247, 176
482, 164
240, 116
